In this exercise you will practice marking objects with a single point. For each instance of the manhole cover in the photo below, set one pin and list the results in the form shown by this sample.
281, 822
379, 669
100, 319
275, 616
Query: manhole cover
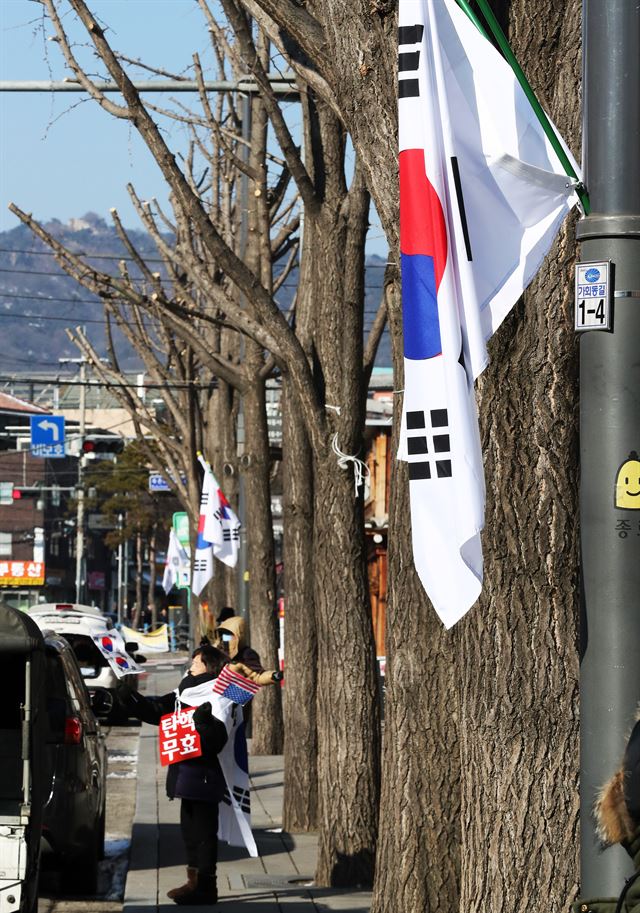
278, 881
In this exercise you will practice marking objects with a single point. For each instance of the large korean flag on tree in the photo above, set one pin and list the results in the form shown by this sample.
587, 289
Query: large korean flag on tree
482, 195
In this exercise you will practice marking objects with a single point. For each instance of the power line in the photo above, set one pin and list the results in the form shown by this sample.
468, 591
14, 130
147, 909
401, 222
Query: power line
50, 253
61, 382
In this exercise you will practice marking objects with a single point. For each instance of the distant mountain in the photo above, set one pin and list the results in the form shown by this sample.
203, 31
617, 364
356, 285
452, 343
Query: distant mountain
38, 300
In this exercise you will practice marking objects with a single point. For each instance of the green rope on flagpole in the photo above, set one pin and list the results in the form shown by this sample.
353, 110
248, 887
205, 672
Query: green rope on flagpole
510, 57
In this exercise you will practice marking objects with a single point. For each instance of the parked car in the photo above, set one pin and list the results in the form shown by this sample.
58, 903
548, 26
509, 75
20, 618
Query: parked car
25, 771
73, 825
52, 765
78, 624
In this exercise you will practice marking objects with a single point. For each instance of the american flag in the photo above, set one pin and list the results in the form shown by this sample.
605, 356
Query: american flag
235, 687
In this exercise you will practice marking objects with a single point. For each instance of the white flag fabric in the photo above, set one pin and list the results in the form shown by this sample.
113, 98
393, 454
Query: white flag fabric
482, 195
234, 823
203, 560
177, 567
221, 526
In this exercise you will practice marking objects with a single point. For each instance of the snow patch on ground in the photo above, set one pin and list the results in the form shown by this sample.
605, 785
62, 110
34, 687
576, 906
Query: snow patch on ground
116, 864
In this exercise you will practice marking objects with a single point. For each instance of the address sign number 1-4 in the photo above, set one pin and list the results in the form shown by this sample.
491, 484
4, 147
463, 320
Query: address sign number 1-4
593, 296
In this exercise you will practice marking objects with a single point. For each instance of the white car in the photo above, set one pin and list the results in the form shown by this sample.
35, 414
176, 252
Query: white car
79, 624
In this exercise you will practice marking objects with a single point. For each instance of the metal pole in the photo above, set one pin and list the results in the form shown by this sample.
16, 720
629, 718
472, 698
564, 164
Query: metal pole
284, 84
243, 583
609, 422
80, 546
120, 557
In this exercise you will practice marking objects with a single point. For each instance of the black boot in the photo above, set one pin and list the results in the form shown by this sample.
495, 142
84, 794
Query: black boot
204, 893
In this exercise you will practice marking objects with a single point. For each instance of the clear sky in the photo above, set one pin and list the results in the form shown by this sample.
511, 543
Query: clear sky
61, 155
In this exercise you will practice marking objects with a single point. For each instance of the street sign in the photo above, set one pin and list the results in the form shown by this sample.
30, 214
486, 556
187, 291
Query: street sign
181, 527
158, 482
593, 296
47, 436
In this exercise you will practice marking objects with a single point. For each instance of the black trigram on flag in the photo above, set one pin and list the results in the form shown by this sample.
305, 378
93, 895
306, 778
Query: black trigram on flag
241, 796
200, 564
408, 60
428, 437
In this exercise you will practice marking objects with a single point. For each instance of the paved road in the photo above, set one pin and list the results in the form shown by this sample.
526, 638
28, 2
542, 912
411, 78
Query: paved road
122, 747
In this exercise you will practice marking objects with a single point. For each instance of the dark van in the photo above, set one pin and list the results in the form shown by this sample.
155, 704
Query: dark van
52, 765
25, 771
73, 826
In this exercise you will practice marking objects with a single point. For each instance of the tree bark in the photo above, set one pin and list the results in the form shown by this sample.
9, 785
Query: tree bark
348, 709
519, 662
418, 861
300, 803
267, 705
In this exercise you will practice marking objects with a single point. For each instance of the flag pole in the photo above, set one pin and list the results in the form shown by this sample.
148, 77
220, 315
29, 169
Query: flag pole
503, 44
466, 7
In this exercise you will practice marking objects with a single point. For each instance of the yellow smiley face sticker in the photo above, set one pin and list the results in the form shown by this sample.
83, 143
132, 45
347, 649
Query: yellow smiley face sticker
627, 494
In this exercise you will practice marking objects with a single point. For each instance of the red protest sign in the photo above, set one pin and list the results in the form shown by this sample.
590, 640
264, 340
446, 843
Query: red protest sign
178, 737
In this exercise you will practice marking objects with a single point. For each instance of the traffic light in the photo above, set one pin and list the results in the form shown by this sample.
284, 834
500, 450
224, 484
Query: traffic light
102, 445
21, 492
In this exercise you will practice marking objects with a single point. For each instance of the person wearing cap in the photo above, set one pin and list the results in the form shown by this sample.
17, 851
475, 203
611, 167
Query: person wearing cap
618, 821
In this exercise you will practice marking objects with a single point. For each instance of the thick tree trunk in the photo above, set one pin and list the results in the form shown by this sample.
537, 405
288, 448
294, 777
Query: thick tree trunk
267, 705
348, 708
418, 861
300, 806
519, 663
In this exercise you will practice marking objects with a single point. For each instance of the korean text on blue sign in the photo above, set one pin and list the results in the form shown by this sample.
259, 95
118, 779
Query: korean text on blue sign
47, 436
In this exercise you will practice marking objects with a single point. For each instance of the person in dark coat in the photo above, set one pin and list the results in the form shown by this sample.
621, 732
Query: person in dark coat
198, 782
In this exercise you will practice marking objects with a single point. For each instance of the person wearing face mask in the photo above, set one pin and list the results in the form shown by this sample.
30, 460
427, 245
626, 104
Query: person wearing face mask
198, 782
229, 637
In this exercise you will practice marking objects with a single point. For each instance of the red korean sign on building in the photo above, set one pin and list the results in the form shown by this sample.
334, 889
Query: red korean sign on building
178, 737
21, 573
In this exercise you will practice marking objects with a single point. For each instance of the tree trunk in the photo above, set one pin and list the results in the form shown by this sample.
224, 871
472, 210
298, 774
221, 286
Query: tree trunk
267, 705
300, 804
519, 662
348, 708
418, 861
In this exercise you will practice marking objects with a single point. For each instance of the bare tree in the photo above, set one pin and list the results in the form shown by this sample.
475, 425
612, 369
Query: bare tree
513, 719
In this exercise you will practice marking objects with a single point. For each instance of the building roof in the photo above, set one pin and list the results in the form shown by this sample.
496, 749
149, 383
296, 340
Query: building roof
10, 403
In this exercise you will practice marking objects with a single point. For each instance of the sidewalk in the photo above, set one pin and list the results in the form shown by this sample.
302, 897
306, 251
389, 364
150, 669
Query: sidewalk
280, 880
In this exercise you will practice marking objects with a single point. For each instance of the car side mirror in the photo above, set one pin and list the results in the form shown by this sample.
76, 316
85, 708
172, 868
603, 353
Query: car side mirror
101, 703
131, 646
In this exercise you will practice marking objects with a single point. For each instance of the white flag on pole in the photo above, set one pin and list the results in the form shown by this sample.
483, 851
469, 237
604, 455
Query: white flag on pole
177, 567
221, 526
203, 560
482, 195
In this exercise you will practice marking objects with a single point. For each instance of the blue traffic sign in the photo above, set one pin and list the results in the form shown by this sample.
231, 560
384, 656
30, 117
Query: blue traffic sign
47, 436
158, 482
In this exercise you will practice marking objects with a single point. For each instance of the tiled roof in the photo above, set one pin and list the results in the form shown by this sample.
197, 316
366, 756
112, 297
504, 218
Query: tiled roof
10, 403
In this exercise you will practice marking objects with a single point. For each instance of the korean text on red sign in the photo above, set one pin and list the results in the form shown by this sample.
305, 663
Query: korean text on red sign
178, 737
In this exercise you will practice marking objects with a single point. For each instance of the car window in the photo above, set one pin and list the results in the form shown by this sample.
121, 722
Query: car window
78, 691
89, 657
57, 697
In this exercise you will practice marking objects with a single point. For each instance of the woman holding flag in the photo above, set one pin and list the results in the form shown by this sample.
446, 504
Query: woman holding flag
199, 725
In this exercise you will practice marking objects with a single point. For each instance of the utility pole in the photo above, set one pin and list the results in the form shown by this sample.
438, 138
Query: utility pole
80, 543
120, 569
610, 422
